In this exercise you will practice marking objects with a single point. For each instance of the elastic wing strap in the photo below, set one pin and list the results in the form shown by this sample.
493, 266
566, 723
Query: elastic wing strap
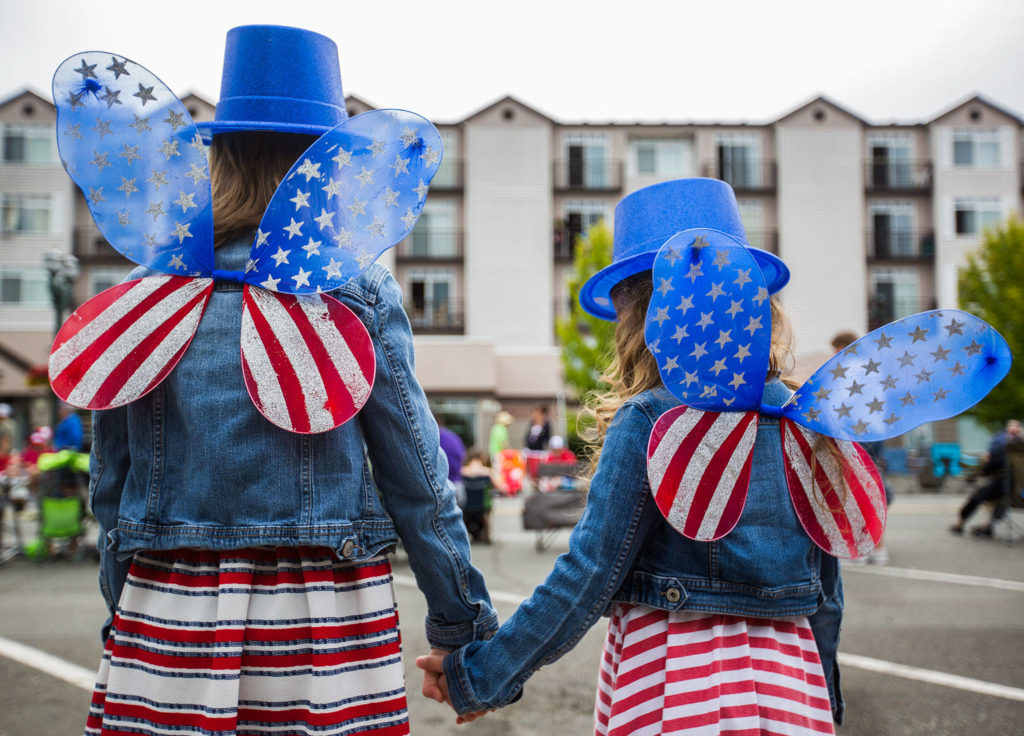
698, 466
841, 505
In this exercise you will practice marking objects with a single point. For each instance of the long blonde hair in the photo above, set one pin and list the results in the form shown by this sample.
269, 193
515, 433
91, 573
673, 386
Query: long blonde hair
245, 170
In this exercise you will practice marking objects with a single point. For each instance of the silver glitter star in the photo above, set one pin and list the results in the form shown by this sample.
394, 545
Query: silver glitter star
118, 67
705, 320
309, 170
721, 259
175, 120
74, 131
333, 188
811, 415
842, 410
875, 406
96, 195
716, 291
197, 174
871, 367
409, 219
400, 165
86, 70
860, 427
719, 366
376, 228
358, 207
302, 278
855, 388
128, 187
333, 269
261, 237
301, 199
389, 197
699, 350
181, 232
145, 94
665, 286
699, 242
430, 156
918, 334
957, 370
421, 190
364, 258
954, 328
940, 353
365, 177
312, 248
889, 383
685, 304
696, 270
723, 339
141, 125
76, 100
270, 284
170, 148
156, 209
409, 135
822, 394
343, 159
129, 152
102, 128
883, 340
743, 351
742, 277
110, 96
906, 359
281, 256
923, 376
251, 265
293, 228
754, 325
197, 143
176, 262
99, 160
377, 148
343, 238
325, 219
670, 365
906, 399
680, 333
185, 201
158, 179
150, 239
690, 378
762, 294
735, 308
891, 419
838, 371
737, 380
940, 394
660, 315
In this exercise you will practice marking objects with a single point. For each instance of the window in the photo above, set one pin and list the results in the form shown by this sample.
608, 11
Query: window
895, 293
31, 143
892, 230
739, 159
447, 174
662, 157
102, 279
24, 285
971, 216
429, 300
752, 215
976, 148
891, 160
587, 162
24, 213
580, 216
435, 232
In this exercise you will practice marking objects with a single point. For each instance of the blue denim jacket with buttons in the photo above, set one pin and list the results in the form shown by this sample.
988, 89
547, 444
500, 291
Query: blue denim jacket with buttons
194, 464
623, 550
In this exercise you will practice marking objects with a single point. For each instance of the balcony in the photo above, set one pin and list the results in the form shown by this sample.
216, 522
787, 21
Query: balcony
905, 177
433, 244
600, 175
765, 238
89, 246
884, 307
748, 177
905, 246
436, 318
449, 178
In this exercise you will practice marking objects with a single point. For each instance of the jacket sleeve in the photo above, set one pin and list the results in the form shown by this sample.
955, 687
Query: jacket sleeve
602, 549
825, 623
108, 469
414, 484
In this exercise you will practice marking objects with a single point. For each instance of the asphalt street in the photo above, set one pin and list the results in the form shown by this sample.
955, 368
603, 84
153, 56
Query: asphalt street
931, 642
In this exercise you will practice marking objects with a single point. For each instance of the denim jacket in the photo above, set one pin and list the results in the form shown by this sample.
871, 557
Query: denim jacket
194, 464
623, 550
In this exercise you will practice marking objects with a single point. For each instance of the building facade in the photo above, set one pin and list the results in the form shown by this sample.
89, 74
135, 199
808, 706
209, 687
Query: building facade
874, 220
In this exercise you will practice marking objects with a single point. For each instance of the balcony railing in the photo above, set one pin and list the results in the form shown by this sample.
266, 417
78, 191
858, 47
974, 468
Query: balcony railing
89, 246
750, 176
604, 175
898, 176
437, 318
449, 178
432, 244
765, 238
885, 308
564, 243
900, 245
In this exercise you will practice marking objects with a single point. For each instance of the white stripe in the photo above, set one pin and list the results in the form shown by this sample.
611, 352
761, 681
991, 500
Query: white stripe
802, 468
658, 464
728, 480
62, 357
297, 352
127, 341
939, 577
694, 472
269, 397
48, 664
936, 678
157, 360
341, 355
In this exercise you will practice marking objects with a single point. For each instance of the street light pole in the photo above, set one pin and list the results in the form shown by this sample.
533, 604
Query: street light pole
63, 270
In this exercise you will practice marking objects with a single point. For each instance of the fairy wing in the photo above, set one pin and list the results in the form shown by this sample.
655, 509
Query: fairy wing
132, 148
354, 193
923, 368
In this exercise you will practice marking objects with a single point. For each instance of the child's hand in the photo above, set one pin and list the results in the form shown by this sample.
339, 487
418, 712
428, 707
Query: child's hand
435, 686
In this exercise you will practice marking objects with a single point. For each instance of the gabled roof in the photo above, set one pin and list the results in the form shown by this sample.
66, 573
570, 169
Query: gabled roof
978, 99
22, 94
822, 99
505, 100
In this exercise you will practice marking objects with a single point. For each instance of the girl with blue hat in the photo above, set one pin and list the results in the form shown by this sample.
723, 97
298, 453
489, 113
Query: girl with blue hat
260, 441
721, 500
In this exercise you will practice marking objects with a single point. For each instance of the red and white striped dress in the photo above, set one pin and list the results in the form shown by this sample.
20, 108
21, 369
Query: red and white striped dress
696, 673
254, 641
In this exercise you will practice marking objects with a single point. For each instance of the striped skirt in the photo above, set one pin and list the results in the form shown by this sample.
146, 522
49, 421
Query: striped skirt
697, 673
253, 641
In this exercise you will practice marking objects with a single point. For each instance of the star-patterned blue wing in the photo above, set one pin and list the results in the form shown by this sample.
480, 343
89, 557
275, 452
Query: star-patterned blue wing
709, 321
133, 150
352, 195
923, 368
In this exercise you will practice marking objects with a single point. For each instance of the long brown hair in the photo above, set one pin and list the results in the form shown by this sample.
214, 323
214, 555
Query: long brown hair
245, 169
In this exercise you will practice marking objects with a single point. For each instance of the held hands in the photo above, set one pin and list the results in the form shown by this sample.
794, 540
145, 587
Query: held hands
435, 685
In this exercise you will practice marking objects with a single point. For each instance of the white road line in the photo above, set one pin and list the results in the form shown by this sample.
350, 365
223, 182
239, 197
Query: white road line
936, 678
938, 577
47, 663
848, 660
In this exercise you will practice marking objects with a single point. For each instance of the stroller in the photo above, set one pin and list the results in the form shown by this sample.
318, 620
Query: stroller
62, 488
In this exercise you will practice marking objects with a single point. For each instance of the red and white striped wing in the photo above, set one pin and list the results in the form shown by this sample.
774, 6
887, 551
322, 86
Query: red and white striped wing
841, 509
308, 360
698, 465
124, 341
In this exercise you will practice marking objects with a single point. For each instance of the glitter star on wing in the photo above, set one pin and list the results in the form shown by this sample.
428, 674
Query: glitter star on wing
709, 328
134, 151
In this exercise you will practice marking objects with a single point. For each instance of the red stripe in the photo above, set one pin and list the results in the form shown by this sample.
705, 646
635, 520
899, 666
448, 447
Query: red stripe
339, 575
738, 496
180, 718
705, 490
666, 492
126, 367
870, 498
284, 372
254, 635
339, 400
322, 718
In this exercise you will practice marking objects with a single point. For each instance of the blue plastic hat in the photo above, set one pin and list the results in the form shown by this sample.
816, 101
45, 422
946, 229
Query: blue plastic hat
278, 78
648, 217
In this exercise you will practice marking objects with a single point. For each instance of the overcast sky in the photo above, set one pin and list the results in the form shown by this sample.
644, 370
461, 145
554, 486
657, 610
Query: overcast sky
632, 60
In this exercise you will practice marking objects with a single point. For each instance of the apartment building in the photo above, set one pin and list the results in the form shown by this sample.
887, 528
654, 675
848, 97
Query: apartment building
873, 219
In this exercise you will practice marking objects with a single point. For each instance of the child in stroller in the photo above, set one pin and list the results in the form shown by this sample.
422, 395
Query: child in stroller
62, 483
476, 507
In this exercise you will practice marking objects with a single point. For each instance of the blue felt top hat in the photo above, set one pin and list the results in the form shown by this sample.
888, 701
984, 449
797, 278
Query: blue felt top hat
648, 217
281, 79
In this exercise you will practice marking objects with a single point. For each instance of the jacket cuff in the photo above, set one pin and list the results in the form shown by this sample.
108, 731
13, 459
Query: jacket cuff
460, 692
453, 636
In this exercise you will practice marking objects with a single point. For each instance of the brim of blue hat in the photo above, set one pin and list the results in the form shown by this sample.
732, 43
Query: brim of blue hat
212, 127
596, 294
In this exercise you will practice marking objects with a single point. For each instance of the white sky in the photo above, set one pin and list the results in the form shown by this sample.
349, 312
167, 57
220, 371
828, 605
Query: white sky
631, 60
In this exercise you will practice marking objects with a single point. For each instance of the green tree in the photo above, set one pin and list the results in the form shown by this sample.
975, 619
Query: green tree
587, 342
992, 287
